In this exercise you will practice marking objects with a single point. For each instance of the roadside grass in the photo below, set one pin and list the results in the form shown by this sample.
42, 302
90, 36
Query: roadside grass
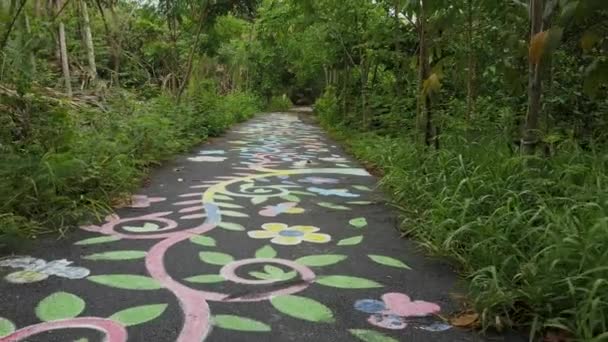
530, 234
71, 164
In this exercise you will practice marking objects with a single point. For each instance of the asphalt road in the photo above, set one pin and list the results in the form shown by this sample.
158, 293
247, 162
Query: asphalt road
270, 233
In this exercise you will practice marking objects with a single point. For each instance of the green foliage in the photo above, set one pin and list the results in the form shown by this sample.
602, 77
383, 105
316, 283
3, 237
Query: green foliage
530, 240
279, 104
66, 164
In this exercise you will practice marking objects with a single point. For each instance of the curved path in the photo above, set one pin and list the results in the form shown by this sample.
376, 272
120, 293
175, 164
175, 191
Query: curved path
270, 233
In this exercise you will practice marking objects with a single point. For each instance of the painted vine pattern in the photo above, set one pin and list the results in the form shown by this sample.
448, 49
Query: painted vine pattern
274, 193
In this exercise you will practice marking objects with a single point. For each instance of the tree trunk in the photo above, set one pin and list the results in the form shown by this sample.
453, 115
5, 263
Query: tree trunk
364, 68
399, 62
63, 52
424, 73
531, 135
30, 52
470, 63
199, 31
88, 40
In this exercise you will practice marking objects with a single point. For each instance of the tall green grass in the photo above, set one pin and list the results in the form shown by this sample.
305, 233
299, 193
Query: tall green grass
530, 234
67, 164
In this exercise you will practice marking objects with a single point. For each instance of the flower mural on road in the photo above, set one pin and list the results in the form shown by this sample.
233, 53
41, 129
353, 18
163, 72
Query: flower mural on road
207, 159
276, 210
333, 192
35, 270
397, 311
282, 234
319, 180
143, 201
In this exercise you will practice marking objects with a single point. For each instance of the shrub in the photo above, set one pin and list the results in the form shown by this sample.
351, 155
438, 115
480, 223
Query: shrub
279, 104
529, 233
66, 164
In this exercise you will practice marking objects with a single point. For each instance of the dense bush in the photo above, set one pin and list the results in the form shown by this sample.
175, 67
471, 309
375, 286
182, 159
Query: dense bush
529, 233
279, 104
65, 163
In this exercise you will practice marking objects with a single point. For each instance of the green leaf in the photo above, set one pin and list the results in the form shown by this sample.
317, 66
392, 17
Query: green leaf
6, 327
231, 322
291, 198
303, 193
332, 206
351, 241
203, 241
146, 228
231, 213
139, 314
59, 305
206, 279
321, 260
228, 205
231, 226
274, 271
261, 275
358, 222
388, 261
259, 200
116, 255
96, 240
126, 281
303, 308
266, 252
371, 336
222, 197
347, 282
360, 202
362, 188
216, 258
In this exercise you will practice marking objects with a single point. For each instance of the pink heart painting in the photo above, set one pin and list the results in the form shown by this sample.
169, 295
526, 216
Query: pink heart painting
395, 311
401, 305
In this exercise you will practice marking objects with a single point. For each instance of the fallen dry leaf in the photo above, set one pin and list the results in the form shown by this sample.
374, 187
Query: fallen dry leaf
465, 320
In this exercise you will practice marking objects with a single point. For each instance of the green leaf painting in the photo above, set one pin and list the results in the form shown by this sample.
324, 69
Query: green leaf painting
59, 305
303, 193
332, 206
97, 240
139, 314
126, 281
371, 336
355, 240
202, 240
291, 198
216, 258
116, 255
360, 202
347, 282
231, 213
228, 205
231, 322
358, 222
388, 261
266, 252
303, 308
6, 327
231, 226
259, 200
222, 197
320, 260
206, 279
362, 188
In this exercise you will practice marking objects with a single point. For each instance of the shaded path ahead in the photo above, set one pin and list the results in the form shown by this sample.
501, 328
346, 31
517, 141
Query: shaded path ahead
268, 234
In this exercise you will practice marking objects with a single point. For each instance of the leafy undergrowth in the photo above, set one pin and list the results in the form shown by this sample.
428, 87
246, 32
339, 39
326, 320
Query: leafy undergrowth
529, 234
59, 164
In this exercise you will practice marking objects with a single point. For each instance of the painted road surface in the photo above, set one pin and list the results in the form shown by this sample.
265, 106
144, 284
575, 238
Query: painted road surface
268, 234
